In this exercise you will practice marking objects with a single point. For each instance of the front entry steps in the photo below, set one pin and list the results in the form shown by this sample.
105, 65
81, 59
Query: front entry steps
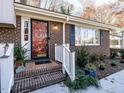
33, 83
31, 73
34, 79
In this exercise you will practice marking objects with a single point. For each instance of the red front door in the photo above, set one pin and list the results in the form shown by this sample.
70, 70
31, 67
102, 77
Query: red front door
39, 39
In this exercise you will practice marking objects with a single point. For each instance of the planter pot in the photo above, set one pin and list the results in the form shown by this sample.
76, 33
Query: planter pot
101, 68
122, 61
90, 73
20, 69
113, 65
17, 64
87, 72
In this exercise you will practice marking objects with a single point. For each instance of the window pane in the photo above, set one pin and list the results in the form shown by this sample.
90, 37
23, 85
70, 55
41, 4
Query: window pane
26, 24
78, 35
114, 42
26, 37
82, 34
87, 36
26, 30
97, 37
91, 36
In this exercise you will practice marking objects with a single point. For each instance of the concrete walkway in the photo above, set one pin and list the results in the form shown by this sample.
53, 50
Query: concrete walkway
111, 84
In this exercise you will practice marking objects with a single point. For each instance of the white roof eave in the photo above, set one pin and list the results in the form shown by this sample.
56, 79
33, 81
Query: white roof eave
50, 14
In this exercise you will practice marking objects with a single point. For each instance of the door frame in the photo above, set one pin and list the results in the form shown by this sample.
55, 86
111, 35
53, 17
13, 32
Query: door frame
23, 42
47, 56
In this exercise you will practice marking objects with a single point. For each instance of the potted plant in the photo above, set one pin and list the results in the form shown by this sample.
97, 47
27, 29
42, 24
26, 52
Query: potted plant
20, 56
113, 63
102, 66
90, 70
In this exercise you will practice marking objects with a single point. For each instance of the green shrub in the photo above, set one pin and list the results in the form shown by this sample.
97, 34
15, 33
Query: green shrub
93, 82
114, 63
90, 66
82, 81
66, 11
122, 53
113, 54
94, 58
82, 57
101, 57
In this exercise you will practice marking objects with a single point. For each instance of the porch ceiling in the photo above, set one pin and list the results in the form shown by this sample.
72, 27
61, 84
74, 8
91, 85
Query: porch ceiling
42, 14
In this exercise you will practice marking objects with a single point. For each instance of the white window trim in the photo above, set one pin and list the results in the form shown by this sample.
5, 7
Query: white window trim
99, 44
87, 45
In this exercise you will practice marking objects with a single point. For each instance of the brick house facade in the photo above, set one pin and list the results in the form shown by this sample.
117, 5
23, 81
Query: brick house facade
55, 37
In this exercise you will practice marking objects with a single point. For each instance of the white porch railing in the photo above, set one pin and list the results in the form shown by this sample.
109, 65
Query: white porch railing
64, 55
6, 68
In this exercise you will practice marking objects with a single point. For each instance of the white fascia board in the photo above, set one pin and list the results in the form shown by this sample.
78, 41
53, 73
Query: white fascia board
38, 11
97, 24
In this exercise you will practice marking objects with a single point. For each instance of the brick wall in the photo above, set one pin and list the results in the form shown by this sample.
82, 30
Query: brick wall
56, 37
11, 35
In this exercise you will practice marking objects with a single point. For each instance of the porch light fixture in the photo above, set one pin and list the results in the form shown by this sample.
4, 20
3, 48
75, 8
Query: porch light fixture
55, 27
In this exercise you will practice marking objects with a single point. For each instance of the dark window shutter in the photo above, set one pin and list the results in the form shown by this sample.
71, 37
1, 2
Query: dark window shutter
101, 37
72, 35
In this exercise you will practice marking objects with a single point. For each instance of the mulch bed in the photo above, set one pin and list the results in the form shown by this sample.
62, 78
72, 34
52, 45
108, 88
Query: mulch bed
108, 68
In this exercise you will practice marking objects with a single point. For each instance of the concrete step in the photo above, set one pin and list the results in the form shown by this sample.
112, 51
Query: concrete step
29, 84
